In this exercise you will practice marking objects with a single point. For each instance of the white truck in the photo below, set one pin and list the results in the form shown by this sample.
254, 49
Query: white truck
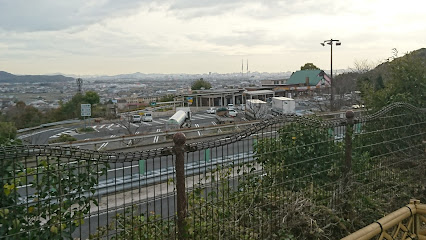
256, 109
182, 118
283, 105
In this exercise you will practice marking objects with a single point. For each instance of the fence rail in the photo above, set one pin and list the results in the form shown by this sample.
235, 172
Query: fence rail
289, 177
406, 223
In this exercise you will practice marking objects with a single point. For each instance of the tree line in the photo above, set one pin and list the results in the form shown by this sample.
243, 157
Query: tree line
24, 116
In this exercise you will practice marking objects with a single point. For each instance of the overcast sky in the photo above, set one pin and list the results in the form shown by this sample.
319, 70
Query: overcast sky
199, 36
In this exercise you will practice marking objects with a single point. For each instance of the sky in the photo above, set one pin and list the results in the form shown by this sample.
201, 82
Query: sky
107, 37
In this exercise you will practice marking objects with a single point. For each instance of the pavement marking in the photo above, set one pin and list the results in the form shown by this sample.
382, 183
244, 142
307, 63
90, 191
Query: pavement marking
103, 146
157, 122
136, 132
214, 123
199, 117
244, 119
197, 125
110, 125
156, 138
134, 125
112, 136
31, 134
146, 123
164, 120
102, 126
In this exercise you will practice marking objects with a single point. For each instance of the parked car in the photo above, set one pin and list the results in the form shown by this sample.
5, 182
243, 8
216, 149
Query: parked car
211, 110
233, 113
136, 118
231, 106
147, 117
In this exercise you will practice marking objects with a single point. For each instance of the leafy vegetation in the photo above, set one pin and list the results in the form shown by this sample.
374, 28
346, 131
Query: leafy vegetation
401, 80
62, 197
63, 138
309, 66
200, 84
7, 133
28, 116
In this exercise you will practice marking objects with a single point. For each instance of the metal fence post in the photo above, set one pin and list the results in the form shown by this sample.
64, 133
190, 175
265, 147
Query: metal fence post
348, 142
178, 149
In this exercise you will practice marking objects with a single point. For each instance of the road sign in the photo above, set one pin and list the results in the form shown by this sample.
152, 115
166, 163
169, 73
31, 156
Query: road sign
86, 110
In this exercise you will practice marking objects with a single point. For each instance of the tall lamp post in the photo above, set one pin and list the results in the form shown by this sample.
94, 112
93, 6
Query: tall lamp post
338, 43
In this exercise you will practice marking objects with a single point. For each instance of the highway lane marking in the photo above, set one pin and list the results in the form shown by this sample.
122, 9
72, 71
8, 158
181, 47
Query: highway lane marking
157, 137
31, 134
105, 143
200, 117
197, 125
103, 146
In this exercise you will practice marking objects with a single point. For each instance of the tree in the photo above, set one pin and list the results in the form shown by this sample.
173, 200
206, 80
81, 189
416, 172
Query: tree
405, 82
309, 66
7, 133
167, 98
91, 97
197, 85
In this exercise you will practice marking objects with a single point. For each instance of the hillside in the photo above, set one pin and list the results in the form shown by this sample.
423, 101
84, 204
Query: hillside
6, 77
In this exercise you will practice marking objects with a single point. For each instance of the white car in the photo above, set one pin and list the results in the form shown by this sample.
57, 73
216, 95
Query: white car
232, 113
211, 110
136, 118
147, 117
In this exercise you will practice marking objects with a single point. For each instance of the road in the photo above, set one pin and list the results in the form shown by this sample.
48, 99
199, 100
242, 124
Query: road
109, 129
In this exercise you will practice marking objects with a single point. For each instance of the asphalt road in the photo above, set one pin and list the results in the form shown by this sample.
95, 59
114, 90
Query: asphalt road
110, 129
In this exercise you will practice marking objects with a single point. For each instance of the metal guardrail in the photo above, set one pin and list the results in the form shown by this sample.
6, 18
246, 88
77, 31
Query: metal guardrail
48, 125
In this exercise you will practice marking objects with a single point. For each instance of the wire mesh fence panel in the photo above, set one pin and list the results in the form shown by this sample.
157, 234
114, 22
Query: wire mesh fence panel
289, 177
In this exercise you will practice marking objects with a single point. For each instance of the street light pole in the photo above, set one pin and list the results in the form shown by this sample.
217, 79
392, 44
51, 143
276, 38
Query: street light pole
338, 43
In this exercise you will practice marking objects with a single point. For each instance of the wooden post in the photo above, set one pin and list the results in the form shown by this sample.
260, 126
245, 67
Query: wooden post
178, 149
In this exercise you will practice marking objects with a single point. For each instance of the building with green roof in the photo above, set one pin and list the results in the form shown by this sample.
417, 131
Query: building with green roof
313, 78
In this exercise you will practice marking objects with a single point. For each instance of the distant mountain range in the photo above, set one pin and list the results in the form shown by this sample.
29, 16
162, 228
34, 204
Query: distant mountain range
6, 77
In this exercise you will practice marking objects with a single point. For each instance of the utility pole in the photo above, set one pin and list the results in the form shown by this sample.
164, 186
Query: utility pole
338, 43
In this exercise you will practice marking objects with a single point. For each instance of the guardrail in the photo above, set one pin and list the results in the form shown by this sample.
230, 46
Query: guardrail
48, 125
394, 222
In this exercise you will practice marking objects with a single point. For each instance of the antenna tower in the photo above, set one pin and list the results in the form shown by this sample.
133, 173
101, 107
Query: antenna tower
79, 85
242, 67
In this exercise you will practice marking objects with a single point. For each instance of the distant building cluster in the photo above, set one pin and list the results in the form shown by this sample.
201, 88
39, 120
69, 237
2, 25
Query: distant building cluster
141, 90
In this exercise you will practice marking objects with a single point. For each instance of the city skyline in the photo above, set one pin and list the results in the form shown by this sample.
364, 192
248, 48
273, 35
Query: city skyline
171, 37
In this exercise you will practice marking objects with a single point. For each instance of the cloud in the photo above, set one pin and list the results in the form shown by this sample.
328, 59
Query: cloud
49, 15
